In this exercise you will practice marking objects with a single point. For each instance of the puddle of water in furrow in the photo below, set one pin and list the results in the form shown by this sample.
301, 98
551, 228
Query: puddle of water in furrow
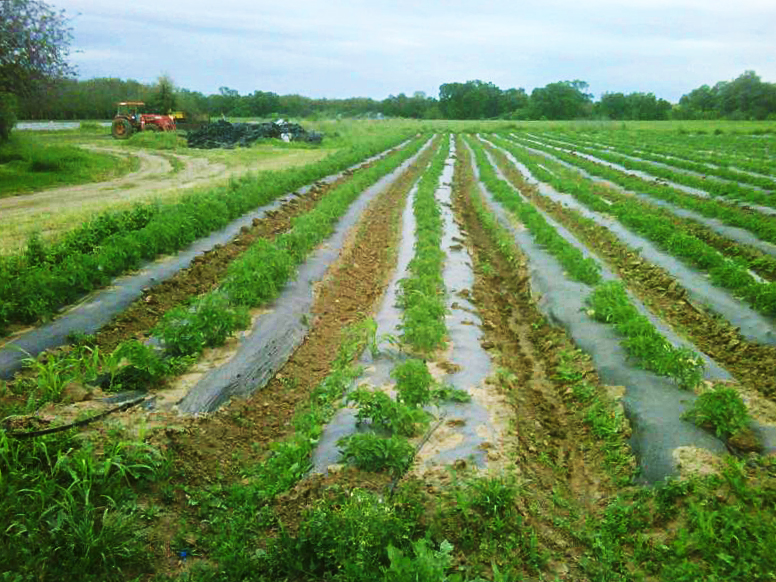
472, 431
376, 369
732, 232
653, 404
649, 177
754, 326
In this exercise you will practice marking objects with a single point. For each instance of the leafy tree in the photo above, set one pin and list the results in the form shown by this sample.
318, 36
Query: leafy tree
163, 99
34, 47
746, 97
612, 106
632, 106
478, 100
561, 100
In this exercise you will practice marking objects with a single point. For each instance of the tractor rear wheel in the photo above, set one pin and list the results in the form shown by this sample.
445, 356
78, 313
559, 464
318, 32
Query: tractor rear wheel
121, 129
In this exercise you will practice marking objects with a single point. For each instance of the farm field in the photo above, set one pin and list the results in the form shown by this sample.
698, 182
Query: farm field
422, 351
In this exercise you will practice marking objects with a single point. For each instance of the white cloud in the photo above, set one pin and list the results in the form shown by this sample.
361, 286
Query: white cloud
338, 48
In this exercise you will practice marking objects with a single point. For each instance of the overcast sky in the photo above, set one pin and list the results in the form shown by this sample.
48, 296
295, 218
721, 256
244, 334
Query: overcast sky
334, 48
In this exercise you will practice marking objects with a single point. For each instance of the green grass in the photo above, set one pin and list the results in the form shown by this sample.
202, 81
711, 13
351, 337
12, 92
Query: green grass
28, 164
69, 509
155, 140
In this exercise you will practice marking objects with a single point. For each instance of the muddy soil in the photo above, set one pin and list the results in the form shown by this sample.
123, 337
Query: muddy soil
751, 363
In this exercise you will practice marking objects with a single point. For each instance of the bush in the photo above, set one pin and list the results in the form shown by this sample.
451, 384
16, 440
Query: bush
387, 414
343, 539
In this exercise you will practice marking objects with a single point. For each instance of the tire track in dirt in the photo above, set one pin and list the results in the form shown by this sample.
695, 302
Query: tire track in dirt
152, 165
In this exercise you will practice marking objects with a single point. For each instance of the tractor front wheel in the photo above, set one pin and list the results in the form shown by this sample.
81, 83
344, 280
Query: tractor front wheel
121, 129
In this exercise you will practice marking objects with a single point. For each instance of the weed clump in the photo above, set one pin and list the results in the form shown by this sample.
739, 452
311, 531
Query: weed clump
344, 538
69, 511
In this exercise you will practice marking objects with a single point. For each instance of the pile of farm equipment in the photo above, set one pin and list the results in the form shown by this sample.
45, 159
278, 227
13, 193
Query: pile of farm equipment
223, 134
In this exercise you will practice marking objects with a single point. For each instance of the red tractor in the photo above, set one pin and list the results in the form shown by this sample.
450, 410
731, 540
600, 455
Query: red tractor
129, 120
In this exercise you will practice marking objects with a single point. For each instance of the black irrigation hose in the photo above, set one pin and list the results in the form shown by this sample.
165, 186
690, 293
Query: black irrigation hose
395, 480
36, 433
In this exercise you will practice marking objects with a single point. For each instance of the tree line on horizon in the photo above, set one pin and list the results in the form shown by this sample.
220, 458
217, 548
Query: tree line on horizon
746, 97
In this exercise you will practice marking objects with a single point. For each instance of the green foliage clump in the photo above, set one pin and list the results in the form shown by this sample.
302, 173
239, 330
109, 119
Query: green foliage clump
344, 539
480, 517
387, 414
427, 564
723, 529
69, 511
207, 323
413, 382
720, 409
610, 304
371, 452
